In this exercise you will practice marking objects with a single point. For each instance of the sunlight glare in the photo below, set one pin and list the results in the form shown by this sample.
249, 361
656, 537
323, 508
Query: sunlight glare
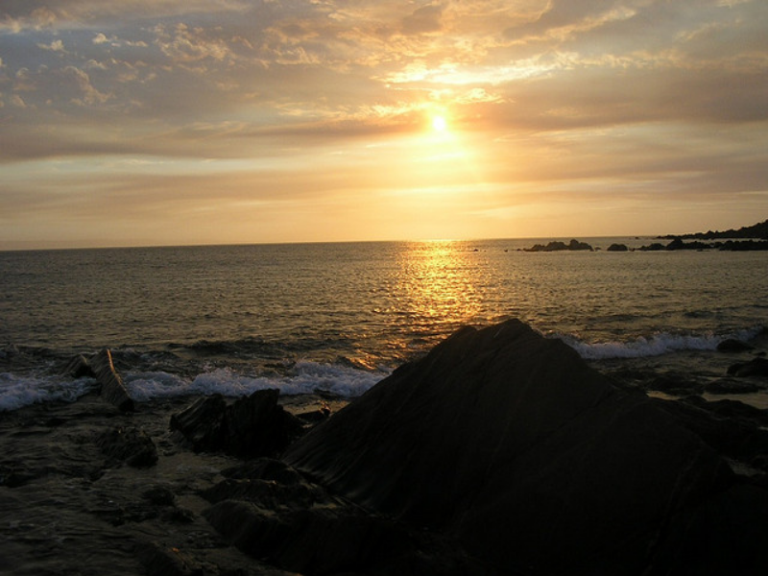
439, 123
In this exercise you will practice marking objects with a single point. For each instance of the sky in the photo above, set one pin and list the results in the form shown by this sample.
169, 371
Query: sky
177, 122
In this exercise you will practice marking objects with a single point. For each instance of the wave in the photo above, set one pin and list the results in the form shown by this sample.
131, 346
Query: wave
656, 345
303, 378
19, 391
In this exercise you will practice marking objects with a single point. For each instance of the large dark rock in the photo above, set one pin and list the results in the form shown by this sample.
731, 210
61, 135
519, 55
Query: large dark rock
733, 429
510, 443
251, 427
269, 511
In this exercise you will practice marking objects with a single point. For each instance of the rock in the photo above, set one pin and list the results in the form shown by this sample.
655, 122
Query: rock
316, 541
673, 382
250, 427
166, 561
678, 244
268, 510
510, 443
112, 388
654, 247
315, 416
733, 409
267, 469
733, 345
159, 496
296, 525
731, 387
576, 245
715, 539
755, 367
79, 367
617, 248
557, 246
732, 428
202, 423
129, 445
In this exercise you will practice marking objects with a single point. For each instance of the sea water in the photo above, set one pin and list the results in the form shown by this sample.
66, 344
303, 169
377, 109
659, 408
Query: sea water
340, 317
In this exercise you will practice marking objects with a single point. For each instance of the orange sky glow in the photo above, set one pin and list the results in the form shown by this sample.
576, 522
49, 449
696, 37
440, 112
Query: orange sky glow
170, 122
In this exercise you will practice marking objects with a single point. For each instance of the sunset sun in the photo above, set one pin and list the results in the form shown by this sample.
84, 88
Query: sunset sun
439, 124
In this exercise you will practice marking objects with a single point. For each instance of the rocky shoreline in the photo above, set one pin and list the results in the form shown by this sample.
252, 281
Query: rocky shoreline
500, 452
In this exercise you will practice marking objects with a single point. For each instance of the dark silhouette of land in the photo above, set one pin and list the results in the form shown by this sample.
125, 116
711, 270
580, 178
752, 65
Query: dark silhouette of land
746, 238
755, 231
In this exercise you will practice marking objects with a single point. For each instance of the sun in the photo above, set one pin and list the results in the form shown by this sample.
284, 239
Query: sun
439, 123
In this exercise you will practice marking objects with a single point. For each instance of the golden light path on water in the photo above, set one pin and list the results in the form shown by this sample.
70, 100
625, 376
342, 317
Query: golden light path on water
438, 283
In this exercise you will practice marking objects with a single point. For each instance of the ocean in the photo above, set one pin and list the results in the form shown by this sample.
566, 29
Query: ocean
337, 318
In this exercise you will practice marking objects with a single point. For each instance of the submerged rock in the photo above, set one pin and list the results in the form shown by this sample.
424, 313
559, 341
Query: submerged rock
510, 443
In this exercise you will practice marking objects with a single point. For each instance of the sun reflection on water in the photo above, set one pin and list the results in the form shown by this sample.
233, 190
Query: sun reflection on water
437, 284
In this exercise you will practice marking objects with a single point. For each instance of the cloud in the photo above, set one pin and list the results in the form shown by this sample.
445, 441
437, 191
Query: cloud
423, 20
100, 38
55, 46
183, 45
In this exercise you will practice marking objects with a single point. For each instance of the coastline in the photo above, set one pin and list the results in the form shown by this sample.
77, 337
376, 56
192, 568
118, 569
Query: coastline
72, 505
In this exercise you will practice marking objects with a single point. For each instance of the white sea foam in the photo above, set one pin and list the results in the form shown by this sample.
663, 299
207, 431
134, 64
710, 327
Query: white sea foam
305, 378
656, 345
19, 391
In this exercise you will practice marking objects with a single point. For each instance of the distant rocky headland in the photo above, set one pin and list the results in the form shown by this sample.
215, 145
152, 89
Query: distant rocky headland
751, 232
747, 238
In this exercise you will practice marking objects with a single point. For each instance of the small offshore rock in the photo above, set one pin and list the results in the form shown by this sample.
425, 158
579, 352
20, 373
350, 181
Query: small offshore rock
557, 246
617, 248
